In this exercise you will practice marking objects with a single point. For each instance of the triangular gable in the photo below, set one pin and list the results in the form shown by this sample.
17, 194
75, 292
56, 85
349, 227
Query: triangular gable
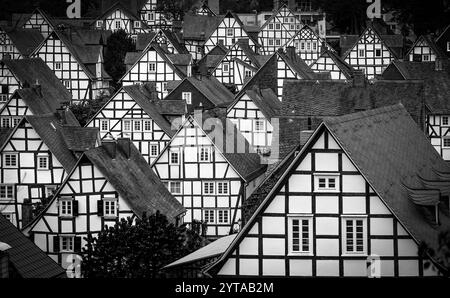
329, 62
279, 16
39, 20
371, 36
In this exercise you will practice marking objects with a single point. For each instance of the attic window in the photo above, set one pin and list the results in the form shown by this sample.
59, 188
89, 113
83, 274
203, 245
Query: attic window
446, 142
118, 24
151, 16
110, 207
43, 162
445, 120
230, 32
278, 42
425, 58
137, 24
377, 52
226, 67
278, 26
57, 65
270, 26
152, 67
362, 53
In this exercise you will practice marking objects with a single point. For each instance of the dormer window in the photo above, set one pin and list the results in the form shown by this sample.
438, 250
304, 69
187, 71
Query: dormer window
226, 67
152, 67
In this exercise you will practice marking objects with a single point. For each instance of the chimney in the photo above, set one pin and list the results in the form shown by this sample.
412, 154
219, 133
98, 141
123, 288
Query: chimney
290, 52
359, 78
305, 135
37, 88
61, 114
124, 146
4, 260
110, 147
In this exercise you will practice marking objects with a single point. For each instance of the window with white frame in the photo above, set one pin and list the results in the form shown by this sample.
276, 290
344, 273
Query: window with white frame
326, 182
308, 45
226, 67
354, 236
425, 58
10, 160
446, 142
147, 125
6, 192
277, 26
270, 26
204, 154
223, 188
291, 27
286, 20
15, 121
137, 24
259, 125
314, 46
154, 150
362, 53
223, 216
300, 234
175, 187
126, 125
444, 120
208, 216
57, 65
271, 41
104, 125
208, 188
67, 84
248, 73
278, 42
230, 32
302, 45
109, 207
6, 122
137, 125
67, 243
43, 161
65, 206
152, 67
174, 157
187, 96
118, 24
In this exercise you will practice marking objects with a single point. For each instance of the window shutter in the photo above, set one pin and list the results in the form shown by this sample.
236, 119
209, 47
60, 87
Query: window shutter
100, 207
75, 208
77, 244
55, 243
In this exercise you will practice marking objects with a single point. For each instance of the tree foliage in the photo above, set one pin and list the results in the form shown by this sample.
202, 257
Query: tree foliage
137, 249
118, 45
441, 255
85, 110
245, 6
175, 9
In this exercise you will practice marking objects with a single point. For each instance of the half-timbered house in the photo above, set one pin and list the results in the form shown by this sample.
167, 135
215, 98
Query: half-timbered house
135, 112
25, 73
308, 44
108, 183
330, 61
39, 20
443, 40
168, 40
425, 49
16, 43
238, 65
228, 32
118, 17
156, 65
196, 30
252, 112
154, 18
337, 211
36, 157
78, 65
199, 91
15, 248
204, 10
280, 66
278, 29
372, 52
211, 169
436, 77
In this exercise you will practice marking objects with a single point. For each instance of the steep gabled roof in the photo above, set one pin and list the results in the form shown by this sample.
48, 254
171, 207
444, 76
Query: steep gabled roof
265, 99
212, 89
275, 13
297, 64
132, 177
25, 40
431, 43
395, 157
199, 27
120, 6
30, 71
144, 39
335, 98
28, 260
436, 82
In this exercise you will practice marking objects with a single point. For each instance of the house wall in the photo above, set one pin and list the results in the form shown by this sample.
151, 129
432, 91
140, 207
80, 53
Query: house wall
140, 72
192, 173
266, 248
308, 45
37, 21
326, 64
65, 67
14, 110
7, 81
28, 181
7, 49
122, 107
197, 97
438, 132
372, 65
157, 19
423, 51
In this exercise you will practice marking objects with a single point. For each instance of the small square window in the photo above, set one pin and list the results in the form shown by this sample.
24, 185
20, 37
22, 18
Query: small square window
57, 65
175, 187
226, 67
10, 160
278, 42
154, 150
222, 188
137, 24
446, 142
118, 25
271, 42
270, 26
377, 52
204, 154
6, 192
326, 183
67, 243
208, 216
99, 24
137, 125
174, 157
444, 120
151, 16
110, 207
104, 125
248, 73
277, 26
43, 162
425, 58
259, 125
223, 216
147, 125
230, 32
152, 67
126, 125
208, 188
6, 122
187, 97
